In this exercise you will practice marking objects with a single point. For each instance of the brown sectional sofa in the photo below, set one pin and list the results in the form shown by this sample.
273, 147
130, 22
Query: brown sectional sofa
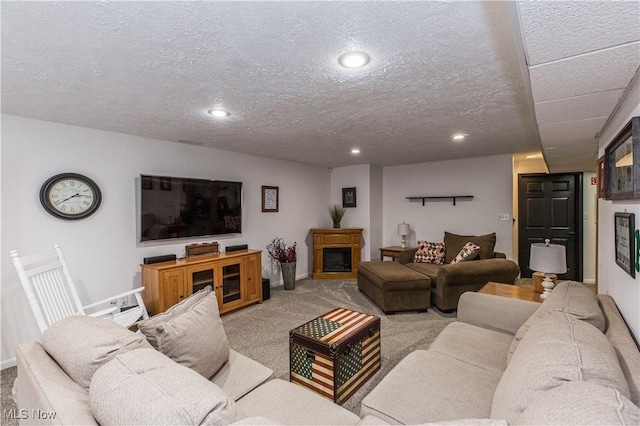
397, 287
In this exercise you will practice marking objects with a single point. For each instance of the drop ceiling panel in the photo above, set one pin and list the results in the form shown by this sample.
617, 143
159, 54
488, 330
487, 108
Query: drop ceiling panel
577, 108
571, 133
556, 30
595, 72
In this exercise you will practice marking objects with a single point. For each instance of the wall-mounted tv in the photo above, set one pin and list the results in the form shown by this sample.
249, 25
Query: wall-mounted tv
174, 207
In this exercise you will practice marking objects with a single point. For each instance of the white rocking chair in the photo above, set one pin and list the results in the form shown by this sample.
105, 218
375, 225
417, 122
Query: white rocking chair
52, 295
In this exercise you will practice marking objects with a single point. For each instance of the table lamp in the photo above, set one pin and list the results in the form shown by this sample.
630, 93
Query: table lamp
548, 259
403, 231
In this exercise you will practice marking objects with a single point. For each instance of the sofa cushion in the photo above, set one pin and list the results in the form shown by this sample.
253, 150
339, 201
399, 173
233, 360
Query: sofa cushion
486, 349
428, 269
146, 387
193, 337
580, 403
558, 348
428, 252
240, 375
291, 404
392, 276
468, 252
427, 386
453, 243
570, 297
81, 344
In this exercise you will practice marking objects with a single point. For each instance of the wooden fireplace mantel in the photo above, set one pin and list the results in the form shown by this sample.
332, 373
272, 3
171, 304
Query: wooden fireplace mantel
337, 238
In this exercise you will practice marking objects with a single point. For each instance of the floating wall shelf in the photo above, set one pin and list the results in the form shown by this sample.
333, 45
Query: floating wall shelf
442, 197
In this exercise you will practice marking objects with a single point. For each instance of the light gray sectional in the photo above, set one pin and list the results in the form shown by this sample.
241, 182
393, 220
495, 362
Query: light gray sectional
93, 371
570, 360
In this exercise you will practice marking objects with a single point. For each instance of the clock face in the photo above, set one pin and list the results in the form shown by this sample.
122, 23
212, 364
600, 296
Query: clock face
70, 196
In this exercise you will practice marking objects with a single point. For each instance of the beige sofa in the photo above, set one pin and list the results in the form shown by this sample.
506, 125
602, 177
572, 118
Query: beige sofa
569, 360
93, 371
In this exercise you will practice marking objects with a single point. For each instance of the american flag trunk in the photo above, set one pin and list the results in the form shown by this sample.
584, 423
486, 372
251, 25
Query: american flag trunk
336, 353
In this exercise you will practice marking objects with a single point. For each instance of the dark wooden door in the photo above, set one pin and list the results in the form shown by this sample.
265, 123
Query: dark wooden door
550, 206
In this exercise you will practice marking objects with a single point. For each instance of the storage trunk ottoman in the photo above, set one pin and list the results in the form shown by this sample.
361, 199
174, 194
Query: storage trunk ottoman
336, 353
394, 287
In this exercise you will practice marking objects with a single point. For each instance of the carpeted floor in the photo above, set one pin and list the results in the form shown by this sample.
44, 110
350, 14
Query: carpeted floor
261, 332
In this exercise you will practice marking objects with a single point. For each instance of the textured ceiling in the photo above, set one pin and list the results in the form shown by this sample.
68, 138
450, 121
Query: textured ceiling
154, 68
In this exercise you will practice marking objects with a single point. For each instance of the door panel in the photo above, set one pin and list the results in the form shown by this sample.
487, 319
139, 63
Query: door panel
550, 206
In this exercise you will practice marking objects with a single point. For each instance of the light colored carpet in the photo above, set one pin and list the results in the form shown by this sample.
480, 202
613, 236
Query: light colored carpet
262, 332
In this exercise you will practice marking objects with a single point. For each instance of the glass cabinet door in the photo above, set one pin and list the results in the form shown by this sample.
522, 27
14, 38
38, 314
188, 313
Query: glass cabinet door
231, 283
201, 277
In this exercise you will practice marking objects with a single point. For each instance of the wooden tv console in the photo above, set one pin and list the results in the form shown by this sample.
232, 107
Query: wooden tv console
235, 277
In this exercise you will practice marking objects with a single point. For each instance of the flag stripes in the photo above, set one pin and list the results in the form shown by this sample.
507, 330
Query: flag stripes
336, 379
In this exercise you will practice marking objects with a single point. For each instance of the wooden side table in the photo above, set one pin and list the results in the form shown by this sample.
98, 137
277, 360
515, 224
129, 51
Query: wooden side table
512, 291
393, 251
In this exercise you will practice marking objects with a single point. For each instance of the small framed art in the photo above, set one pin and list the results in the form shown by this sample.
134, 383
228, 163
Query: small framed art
270, 199
602, 179
348, 197
625, 242
623, 163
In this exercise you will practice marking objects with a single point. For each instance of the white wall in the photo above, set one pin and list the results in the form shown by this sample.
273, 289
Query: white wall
360, 216
376, 205
612, 279
102, 251
488, 179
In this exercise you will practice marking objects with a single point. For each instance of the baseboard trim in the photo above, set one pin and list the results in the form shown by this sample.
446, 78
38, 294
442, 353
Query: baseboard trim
7, 363
281, 283
589, 281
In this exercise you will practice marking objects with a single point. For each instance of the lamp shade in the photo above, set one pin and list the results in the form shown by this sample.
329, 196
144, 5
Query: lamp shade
403, 229
548, 258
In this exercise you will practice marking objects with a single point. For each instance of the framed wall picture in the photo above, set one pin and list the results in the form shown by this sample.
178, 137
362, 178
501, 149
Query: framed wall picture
623, 163
625, 224
602, 180
349, 197
270, 199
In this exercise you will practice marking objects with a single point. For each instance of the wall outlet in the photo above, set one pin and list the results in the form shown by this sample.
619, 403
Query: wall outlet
503, 216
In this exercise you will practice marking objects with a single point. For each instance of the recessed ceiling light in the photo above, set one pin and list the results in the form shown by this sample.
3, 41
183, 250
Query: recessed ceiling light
217, 112
458, 136
355, 151
354, 59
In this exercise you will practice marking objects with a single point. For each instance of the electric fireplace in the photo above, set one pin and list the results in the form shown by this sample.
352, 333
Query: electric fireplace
336, 252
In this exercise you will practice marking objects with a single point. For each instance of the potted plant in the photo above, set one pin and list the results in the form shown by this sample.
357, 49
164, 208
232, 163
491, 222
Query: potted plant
285, 258
337, 213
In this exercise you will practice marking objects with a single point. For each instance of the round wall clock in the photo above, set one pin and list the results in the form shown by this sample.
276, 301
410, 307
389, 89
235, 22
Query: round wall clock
70, 196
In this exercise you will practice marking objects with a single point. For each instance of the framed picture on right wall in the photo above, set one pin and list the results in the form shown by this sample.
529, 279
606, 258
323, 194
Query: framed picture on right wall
625, 242
622, 158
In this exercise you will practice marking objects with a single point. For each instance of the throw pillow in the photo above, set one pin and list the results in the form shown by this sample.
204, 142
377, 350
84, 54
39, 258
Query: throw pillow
569, 297
148, 326
81, 344
469, 252
428, 252
580, 403
557, 349
453, 244
194, 337
146, 387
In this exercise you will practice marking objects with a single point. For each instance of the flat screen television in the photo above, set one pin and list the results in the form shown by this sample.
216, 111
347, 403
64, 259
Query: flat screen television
175, 207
